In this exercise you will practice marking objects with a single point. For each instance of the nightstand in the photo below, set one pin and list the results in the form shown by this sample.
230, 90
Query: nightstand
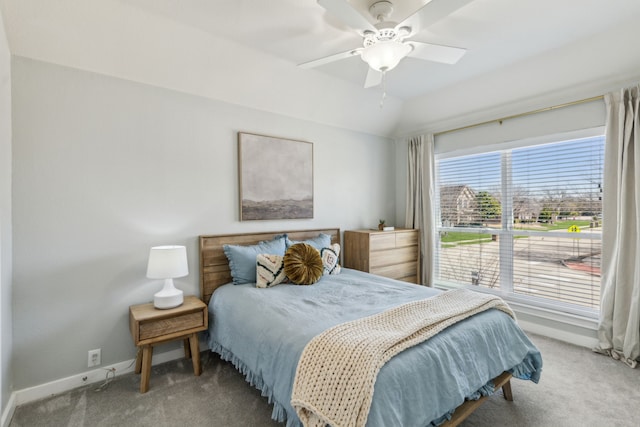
150, 326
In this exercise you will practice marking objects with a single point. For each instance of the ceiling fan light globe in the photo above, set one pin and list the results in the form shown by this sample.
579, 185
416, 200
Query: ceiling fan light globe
384, 56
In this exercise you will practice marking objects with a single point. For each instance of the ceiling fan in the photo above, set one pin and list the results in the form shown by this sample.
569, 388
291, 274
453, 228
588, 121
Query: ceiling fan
386, 43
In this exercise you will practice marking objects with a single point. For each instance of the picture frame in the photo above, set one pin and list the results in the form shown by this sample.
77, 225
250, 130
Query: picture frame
275, 177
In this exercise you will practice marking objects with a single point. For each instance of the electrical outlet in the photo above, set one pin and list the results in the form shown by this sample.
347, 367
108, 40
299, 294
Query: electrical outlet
94, 358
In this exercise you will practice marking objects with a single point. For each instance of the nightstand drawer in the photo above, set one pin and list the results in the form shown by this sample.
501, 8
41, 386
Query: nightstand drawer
159, 327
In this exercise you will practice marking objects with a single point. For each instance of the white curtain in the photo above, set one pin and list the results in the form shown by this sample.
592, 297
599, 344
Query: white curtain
420, 212
619, 328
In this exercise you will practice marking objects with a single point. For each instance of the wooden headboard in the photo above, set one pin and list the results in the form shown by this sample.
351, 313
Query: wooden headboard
214, 266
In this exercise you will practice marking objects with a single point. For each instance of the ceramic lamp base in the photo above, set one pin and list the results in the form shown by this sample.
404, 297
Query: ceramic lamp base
168, 297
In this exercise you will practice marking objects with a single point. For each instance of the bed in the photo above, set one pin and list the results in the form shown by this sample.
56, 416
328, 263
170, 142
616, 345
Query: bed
263, 332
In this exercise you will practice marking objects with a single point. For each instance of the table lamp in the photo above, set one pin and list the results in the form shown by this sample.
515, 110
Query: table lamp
167, 262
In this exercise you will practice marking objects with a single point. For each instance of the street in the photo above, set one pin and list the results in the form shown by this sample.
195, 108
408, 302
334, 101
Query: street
559, 268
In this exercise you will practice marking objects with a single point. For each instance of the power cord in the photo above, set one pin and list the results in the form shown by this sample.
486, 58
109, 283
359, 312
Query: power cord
110, 375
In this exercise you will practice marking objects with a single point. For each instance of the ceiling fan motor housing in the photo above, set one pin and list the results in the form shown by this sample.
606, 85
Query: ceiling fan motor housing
383, 35
381, 10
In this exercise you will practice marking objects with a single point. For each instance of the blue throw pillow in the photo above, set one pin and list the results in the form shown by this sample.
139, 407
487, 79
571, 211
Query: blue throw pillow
318, 242
242, 259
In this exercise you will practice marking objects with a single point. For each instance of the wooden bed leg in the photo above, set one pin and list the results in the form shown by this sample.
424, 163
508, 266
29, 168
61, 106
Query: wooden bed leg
464, 410
506, 390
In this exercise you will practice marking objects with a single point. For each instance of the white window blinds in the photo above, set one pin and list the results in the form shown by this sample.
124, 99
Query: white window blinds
524, 221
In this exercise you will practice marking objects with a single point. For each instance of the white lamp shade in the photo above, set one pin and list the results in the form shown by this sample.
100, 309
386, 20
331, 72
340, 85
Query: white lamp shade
385, 55
167, 262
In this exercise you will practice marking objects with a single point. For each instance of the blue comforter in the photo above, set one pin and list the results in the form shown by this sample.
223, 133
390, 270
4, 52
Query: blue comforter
263, 332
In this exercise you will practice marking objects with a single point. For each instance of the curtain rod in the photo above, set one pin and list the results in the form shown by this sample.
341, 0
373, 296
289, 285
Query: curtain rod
515, 116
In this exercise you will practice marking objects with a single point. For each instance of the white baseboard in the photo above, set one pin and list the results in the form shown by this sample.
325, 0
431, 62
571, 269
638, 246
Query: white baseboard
31, 394
7, 414
560, 335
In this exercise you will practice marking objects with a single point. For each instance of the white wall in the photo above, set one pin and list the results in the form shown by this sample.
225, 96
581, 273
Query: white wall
5, 219
106, 168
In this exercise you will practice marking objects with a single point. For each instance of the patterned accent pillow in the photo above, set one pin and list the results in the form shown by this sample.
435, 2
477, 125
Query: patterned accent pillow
331, 259
269, 270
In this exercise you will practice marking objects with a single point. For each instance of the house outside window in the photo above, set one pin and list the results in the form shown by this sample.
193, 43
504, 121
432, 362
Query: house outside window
524, 222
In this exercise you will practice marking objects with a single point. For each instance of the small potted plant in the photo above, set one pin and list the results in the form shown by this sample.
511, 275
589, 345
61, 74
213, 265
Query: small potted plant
381, 225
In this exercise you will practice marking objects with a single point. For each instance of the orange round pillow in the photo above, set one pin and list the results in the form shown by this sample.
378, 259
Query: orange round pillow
303, 264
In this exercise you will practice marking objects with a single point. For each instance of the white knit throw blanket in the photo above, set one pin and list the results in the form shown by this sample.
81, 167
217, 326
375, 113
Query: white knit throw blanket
338, 368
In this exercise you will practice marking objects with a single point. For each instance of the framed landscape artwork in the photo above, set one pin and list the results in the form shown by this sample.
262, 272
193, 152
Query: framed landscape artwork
275, 176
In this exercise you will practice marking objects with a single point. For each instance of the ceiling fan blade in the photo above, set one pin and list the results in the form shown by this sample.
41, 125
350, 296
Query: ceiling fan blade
330, 58
345, 12
436, 52
431, 13
374, 78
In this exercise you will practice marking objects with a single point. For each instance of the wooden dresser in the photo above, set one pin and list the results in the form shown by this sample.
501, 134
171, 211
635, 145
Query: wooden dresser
393, 254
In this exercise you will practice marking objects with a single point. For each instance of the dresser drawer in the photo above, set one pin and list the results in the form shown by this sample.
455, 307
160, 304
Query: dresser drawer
380, 242
394, 256
406, 239
156, 328
404, 271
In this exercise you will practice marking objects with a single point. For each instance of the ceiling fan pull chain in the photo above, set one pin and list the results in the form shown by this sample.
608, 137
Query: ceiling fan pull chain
384, 88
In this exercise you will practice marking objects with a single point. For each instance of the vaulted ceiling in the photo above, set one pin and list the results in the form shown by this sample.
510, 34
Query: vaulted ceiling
246, 52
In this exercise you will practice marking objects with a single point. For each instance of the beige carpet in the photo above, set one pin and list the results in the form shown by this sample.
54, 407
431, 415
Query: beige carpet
578, 388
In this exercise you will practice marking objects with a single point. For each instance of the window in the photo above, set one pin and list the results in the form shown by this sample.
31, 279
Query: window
524, 222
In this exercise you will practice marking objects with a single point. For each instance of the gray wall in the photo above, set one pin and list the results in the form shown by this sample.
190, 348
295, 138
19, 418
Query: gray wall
5, 220
106, 168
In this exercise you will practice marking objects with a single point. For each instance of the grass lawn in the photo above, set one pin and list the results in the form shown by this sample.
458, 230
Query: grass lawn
564, 225
453, 238
459, 236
